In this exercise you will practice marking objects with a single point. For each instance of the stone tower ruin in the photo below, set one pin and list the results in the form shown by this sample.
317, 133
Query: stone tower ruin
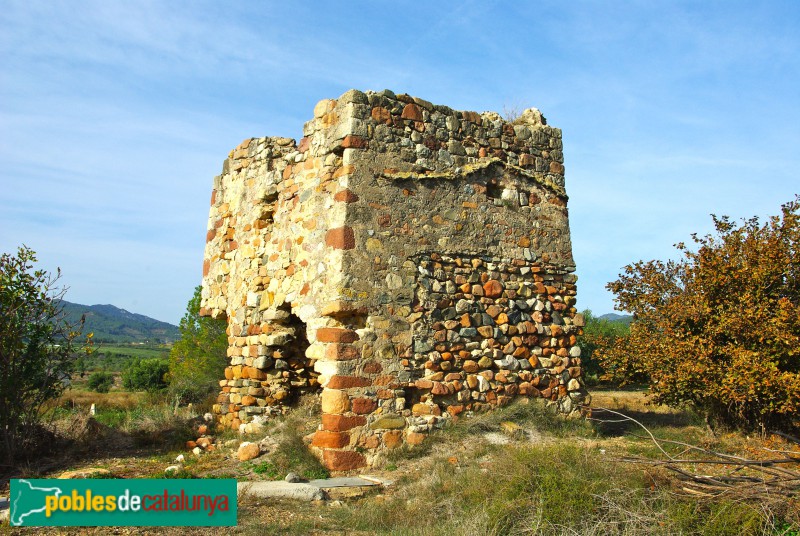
407, 261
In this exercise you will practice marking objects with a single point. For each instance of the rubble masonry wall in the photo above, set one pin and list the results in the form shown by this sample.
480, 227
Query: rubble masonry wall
407, 261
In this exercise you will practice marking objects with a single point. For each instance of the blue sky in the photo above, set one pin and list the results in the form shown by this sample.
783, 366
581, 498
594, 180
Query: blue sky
115, 116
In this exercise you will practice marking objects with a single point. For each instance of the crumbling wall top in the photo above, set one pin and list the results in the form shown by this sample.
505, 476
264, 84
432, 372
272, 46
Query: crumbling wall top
435, 141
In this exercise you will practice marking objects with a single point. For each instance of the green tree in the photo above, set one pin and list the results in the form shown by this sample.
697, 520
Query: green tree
598, 333
100, 381
719, 329
197, 360
146, 374
38, 349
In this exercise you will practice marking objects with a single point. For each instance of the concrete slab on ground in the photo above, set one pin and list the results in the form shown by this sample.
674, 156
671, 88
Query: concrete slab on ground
378, 480
314, 490
342, 482
280, 489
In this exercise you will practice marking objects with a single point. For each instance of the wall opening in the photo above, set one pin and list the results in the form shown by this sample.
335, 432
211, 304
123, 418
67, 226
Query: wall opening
303, 377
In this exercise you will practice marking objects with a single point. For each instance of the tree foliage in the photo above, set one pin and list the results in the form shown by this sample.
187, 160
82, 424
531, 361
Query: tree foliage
145, 375
197, 360
100, 381
38, 349
719, 329
598, 333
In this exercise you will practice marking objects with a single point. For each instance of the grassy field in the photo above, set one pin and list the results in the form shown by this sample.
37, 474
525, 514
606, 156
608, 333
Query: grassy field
121, 352
543, 474
142, 351
114, 357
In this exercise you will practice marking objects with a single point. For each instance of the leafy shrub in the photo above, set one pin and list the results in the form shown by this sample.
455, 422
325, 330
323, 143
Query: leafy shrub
197, 360
100, 382
37, 349
145, 374
719, 330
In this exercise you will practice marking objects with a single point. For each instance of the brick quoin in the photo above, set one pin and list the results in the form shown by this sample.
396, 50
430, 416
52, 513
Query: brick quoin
343, 460
336, 335
347, 382
354, 142
330, 440
340, 238
341, 423
342, 352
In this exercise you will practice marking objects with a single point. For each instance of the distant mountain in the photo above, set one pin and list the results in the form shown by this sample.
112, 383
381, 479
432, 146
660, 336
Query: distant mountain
114, 325
614, 317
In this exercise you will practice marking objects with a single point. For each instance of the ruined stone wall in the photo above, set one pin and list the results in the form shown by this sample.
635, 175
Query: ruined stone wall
412, 261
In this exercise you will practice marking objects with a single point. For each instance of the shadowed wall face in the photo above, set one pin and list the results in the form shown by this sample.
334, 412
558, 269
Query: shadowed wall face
409, 261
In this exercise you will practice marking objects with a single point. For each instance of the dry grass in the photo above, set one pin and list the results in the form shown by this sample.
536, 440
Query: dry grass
558, 477
74, 399
562, 482
513, 111
554, 489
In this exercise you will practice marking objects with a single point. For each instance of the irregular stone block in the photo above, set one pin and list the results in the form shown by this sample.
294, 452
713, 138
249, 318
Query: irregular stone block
389, 421
363, 406
335, 401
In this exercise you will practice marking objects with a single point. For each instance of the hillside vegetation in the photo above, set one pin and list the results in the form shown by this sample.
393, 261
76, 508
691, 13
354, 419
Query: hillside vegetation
111, 324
